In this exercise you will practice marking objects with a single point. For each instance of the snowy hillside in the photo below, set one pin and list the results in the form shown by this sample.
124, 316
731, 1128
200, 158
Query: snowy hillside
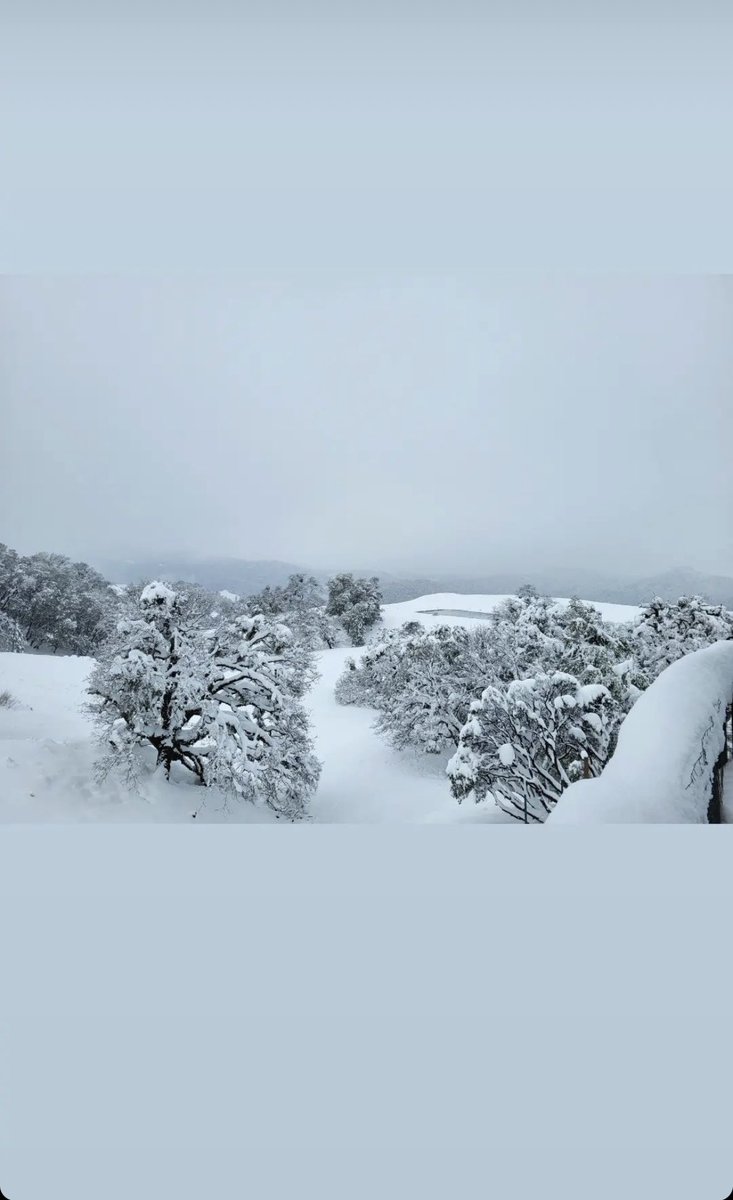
455, 608
47, 753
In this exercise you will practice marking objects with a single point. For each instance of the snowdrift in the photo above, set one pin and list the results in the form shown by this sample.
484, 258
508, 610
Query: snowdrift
662, 769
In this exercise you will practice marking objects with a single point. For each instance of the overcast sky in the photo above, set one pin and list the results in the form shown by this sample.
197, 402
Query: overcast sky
480, 424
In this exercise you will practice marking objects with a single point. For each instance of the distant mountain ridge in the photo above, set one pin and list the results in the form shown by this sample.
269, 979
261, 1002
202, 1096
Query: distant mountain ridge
682, 582
244, 576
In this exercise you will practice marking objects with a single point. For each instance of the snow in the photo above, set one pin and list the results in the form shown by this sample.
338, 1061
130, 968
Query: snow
157, 591
667, 746
225, 595
47, 752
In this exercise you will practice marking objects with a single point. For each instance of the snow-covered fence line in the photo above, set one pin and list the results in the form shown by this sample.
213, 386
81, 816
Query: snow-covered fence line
671, 750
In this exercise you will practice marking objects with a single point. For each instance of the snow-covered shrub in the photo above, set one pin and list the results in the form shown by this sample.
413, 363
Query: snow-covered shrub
538, 644
368, 682
668, 630
538, 639
223, 703
61, 606
436, 675
357, 604
350, 686
421, 681
426, 684
525, 741
12, 637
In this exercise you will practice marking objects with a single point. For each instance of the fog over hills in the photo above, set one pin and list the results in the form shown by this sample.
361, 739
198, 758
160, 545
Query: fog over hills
245, 576
242, 576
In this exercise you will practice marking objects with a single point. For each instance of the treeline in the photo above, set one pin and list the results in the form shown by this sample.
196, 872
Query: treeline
53, 605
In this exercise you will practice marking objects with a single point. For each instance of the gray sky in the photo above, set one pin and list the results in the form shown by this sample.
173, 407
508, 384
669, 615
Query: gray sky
456, 423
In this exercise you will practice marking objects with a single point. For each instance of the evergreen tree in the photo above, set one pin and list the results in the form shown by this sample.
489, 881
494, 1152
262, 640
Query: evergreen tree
300, 605
61, 606
357, 604
12, 637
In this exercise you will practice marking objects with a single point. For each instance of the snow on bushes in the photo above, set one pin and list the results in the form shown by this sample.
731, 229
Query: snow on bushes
491, 691
357, 603
301, 605
12, 637
665, 631
661, 770
421, 681
222, 703
620, 660
525, 742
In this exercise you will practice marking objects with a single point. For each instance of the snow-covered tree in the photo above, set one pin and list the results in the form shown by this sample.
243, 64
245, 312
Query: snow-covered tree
356, 602
148, 682
301, 605
198, 607
525, 741
527, 591
525, 635
253, 734
598, 651
222, 703
11, 635
61, 606
9, 565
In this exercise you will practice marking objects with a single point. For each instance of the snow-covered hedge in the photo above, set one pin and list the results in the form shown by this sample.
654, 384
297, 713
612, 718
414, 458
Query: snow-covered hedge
667, 747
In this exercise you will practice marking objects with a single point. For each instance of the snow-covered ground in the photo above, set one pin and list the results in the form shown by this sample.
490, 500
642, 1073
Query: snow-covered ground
363, 780
455, 609
47, 752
